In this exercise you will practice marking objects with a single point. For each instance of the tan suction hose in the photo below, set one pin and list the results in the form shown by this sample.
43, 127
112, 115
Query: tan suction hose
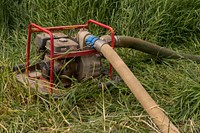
156, 113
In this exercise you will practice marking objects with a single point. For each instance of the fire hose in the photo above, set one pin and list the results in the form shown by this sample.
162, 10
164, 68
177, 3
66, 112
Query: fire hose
156, 113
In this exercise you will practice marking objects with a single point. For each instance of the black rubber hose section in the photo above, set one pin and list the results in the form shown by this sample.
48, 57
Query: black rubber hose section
150, 48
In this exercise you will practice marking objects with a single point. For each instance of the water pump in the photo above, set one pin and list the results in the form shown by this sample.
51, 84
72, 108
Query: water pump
63, 57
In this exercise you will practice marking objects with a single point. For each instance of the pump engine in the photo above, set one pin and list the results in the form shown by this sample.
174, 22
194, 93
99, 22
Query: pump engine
82, 67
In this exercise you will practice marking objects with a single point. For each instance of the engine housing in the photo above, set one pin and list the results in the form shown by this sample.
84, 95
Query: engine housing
82, 67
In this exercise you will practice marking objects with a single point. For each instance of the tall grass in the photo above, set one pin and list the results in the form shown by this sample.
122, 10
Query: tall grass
86, 108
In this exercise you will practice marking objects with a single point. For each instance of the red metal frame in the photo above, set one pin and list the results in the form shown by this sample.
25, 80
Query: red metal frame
36, 28
112, 33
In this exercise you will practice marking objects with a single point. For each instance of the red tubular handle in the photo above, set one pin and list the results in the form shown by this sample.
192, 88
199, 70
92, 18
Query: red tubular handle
57, 28
112, 33
51, 51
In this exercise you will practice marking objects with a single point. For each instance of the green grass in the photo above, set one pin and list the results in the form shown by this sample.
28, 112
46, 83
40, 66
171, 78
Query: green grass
173, 84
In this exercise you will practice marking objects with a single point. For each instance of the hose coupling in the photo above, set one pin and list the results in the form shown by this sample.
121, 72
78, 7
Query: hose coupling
91, 40
95, 42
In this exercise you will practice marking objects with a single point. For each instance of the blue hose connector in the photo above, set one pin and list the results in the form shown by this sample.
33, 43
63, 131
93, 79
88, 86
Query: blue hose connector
91, 40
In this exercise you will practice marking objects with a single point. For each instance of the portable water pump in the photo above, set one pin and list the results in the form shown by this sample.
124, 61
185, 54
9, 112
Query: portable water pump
63, 57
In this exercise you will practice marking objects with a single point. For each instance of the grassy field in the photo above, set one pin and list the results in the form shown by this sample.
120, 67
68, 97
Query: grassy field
173, 84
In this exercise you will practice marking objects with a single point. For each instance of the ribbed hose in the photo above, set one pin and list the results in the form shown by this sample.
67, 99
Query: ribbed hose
150, 48
137, 89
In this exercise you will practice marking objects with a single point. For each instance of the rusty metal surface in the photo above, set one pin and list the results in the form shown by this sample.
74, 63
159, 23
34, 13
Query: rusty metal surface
62, 45
39, 85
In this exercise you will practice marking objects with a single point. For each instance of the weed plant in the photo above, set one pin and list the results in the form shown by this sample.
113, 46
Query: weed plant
173, 84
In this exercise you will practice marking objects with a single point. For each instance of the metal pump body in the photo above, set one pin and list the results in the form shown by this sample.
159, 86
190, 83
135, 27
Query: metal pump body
81, 67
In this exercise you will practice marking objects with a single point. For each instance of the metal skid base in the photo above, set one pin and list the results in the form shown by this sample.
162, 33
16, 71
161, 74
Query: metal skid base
38, 84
